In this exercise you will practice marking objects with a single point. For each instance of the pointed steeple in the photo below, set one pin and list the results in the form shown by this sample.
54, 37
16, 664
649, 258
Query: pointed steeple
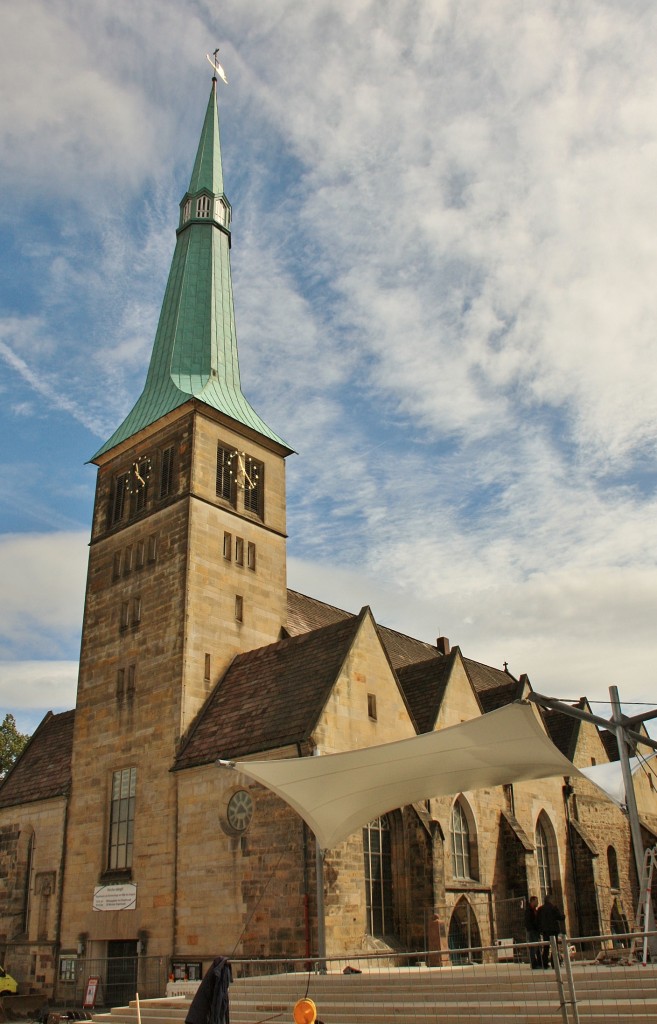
195, 349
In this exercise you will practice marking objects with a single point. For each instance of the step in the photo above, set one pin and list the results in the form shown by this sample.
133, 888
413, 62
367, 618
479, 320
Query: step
491, 993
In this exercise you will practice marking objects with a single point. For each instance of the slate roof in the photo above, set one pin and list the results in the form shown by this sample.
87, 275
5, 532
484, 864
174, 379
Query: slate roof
270, 697
610, 743
44, 769
424, 685
563, 730
492, 698
306, 613
485, 677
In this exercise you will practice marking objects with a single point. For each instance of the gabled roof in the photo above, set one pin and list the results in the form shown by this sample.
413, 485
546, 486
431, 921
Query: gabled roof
271, 697
424, 684
43, 770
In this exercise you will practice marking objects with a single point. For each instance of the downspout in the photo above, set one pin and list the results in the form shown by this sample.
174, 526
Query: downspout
174, 908
60, 896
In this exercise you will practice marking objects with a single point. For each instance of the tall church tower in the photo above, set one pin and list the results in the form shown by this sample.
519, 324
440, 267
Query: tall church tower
187, 567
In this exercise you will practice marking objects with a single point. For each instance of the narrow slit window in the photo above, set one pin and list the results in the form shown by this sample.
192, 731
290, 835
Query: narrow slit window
239, 551
239, 608
226, 483
371, 706
207, 667
136, 611
139, 554
125, 614
120, 682
152, 548
132, 679
166, 472
127, 560
254, 486
140, 473
117, 507
251, 555
228, 546
116, 565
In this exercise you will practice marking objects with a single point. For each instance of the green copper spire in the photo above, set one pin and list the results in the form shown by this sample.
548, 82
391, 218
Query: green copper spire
195, 349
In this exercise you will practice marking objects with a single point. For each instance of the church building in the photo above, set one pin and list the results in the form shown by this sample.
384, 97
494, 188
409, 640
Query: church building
120, 837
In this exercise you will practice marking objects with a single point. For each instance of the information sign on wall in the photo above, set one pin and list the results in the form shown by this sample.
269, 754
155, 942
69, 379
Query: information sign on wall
115, 897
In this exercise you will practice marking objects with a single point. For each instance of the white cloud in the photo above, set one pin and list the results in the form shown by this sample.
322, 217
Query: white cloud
444, 264
42, 579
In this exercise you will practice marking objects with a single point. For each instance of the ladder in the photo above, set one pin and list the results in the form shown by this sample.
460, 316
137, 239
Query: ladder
645, 915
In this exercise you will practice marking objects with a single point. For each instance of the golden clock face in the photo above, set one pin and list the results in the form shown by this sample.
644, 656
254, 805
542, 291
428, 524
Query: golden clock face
240, 810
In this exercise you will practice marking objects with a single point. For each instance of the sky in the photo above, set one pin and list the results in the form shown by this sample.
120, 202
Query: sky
444, 262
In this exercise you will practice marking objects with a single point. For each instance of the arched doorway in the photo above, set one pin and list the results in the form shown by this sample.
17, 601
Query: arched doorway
619, 924
463, 934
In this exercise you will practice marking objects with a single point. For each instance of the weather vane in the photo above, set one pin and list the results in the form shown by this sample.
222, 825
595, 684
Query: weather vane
218, 70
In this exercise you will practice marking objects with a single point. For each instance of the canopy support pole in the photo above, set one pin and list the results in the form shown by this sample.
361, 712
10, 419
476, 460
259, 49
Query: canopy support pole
628, 782
321, 921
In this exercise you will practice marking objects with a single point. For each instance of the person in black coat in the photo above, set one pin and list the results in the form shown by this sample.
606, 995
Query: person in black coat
551, 921
210, 1004
533, 930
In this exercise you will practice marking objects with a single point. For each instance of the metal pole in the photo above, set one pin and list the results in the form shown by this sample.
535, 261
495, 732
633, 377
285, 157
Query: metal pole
568, 968
630, 798
563, 1005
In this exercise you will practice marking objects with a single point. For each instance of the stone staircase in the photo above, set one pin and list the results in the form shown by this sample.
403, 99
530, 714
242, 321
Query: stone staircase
479, 994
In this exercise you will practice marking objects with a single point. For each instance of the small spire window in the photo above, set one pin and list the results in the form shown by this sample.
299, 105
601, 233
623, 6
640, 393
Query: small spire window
187, 211
203, 206
221, 212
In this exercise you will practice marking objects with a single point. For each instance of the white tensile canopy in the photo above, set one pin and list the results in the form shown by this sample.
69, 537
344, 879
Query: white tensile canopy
337, 794
609, 777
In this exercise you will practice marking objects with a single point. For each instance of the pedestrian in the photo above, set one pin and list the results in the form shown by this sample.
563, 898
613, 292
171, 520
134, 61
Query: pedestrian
533, 932
551, 921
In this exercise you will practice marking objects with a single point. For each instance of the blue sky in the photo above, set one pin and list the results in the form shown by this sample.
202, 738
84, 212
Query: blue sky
444, 261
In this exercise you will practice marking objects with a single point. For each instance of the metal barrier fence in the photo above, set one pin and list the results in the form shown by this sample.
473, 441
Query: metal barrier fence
119, 979
584, 981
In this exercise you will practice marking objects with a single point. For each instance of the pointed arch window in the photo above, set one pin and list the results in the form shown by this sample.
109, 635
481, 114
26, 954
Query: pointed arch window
203, 206
543, 861
378, 877
460, 837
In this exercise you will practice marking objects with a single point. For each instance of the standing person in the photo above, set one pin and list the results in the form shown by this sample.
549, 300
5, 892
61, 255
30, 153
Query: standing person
533, 932
551, 921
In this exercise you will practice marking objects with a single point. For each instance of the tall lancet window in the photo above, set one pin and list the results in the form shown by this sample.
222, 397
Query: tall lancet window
543, 861
378, 876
